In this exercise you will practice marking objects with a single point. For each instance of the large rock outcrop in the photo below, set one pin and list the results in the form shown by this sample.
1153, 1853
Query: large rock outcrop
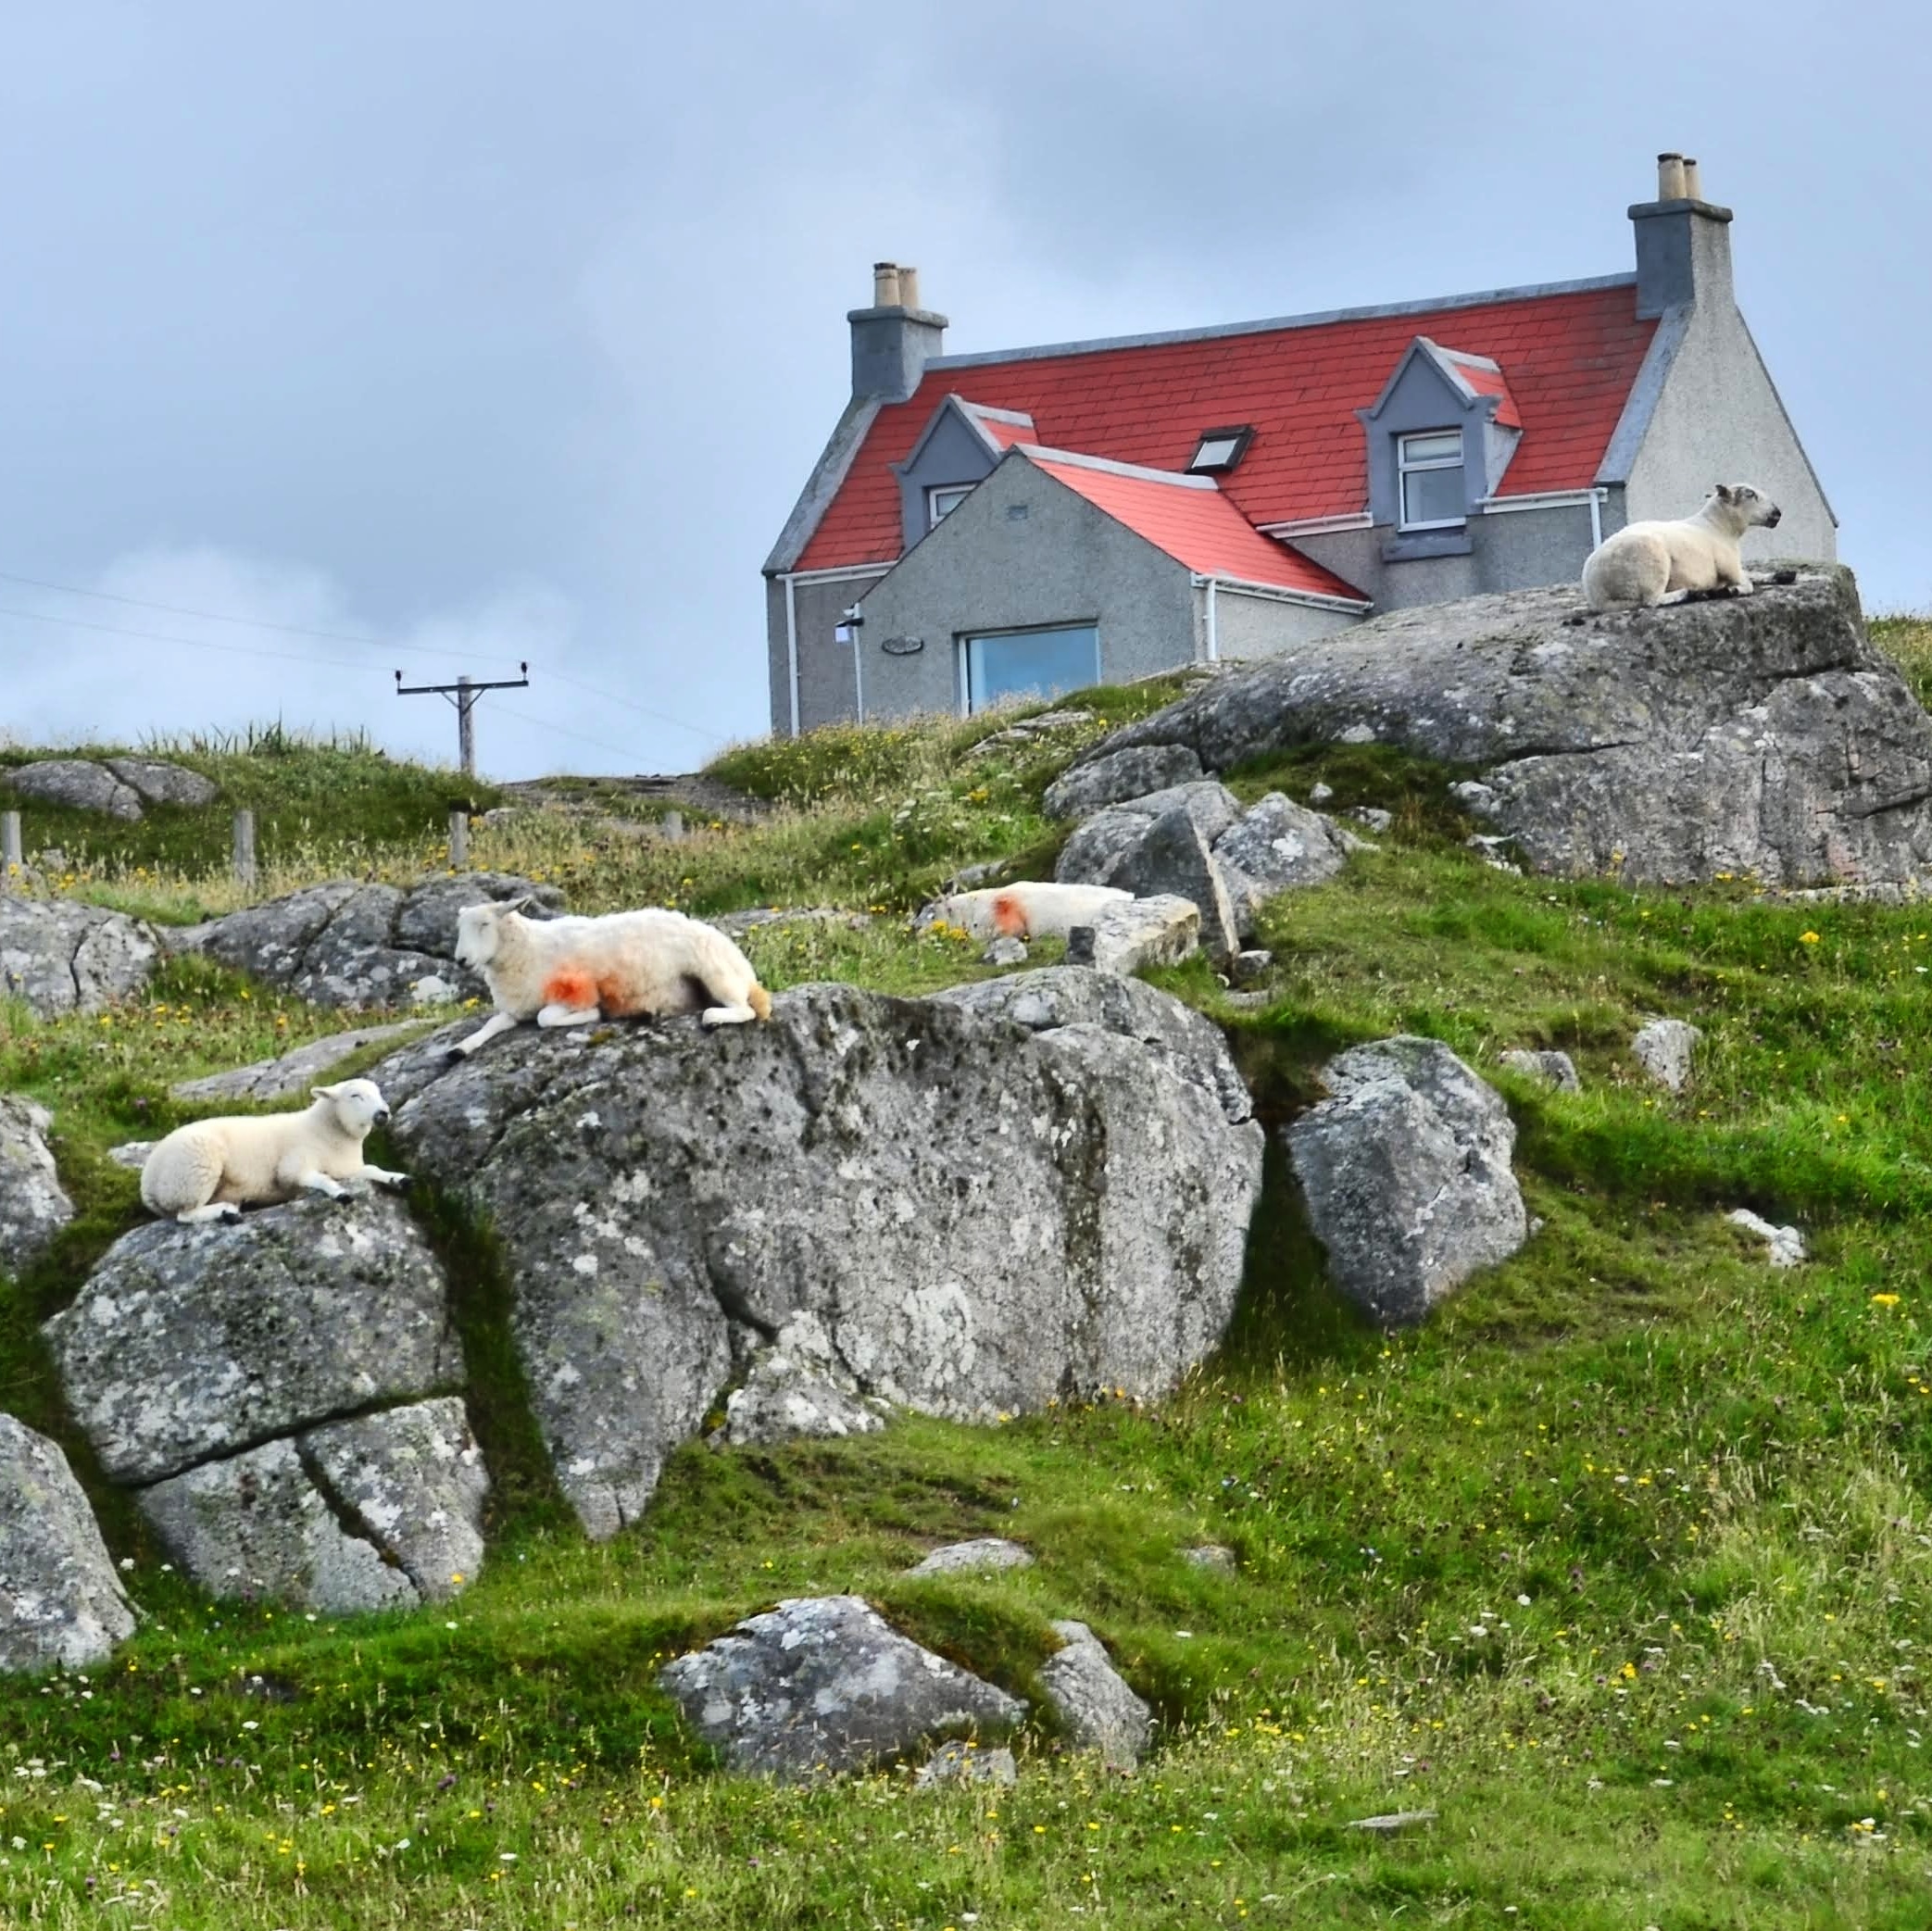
360, 946
281, 1393
1405, 1170
33, 1204
59, 957
823, 1685
116, 786
61, 1604
1761, 735
982, 1212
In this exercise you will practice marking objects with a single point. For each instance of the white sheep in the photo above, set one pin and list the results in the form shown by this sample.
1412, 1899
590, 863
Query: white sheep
1664, 562
1034, 908
572, 972
210, 1169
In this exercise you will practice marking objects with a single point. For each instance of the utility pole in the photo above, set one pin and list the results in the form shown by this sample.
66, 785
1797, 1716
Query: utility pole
463, 693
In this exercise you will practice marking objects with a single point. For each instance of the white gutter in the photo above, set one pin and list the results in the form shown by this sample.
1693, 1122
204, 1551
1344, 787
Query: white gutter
1319, 525
1548, 499
852, 570
791, 642
1280, 594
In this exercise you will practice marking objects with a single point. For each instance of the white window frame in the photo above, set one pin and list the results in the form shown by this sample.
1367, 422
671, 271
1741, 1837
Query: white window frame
1405, 468
958, 491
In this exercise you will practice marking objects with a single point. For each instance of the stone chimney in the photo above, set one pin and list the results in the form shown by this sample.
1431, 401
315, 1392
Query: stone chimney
893, 340
1683, 242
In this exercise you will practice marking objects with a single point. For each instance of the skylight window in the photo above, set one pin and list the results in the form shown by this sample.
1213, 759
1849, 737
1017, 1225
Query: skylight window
1220, 449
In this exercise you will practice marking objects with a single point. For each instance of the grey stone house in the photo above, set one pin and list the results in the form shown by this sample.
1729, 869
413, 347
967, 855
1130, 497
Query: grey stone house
985, 526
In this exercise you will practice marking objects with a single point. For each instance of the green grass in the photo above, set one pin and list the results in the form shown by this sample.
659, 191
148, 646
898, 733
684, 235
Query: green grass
1621, 1566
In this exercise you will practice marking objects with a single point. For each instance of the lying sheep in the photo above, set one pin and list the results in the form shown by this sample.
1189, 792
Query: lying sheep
571, 972
1032, 910
211, 1169
1665, 562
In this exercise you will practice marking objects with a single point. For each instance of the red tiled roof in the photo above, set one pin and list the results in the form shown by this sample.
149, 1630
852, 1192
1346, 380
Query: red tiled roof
1491, 382
1004, 434
1569, 358
1195, 526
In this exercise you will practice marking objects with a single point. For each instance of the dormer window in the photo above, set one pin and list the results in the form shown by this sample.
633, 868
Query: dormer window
1219, 450
941, 503
1429, 471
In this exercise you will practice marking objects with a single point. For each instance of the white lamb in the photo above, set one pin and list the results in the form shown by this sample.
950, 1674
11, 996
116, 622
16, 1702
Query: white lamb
1031, 910
1660, 562
571, 972
211, 1169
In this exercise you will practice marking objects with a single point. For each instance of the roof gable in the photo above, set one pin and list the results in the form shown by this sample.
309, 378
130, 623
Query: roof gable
1566, 360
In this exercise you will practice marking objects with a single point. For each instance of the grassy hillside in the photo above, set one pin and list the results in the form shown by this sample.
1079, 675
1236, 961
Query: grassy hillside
1621, 1566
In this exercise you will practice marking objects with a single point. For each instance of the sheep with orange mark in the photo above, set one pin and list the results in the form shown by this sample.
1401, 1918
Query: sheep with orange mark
1031, 910
572, 972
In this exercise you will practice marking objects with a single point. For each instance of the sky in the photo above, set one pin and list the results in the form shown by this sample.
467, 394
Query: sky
443, 336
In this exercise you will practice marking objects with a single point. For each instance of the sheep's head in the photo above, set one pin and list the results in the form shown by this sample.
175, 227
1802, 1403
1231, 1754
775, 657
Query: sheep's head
1745, 508
356, 1105
478, 933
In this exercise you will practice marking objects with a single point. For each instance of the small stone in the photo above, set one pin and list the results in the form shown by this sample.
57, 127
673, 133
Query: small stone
1006, 950
1094, 1704
989, 1552
1162, 929
133, 1154
1784, 1246
1556, 1070
1377, 820
1319, 794
1211, 1555
1393, 1821
1489, 847
1663, 1049
1252, 965
964, 1764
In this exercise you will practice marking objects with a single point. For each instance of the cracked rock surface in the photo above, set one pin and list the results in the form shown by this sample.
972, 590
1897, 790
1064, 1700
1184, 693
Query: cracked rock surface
60, 956
189, 1343
61, 1603
33, 1204
823, 1685
985, 1201
1760, 735
358, 945
1405, 1170
1093, 1701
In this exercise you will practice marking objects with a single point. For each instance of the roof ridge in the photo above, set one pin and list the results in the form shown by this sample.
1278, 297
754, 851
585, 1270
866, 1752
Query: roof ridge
1137, 472
1100, 343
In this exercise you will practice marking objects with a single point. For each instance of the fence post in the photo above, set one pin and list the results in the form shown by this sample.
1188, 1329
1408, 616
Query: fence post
459, 841
244, 847
10, 862
673, 823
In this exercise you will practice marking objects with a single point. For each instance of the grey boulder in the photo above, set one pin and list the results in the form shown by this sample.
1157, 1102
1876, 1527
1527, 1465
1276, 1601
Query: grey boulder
1131, 774
359, 947
797, 1387
982, 1215
78, 784
290, 1075
1095, 1708
822, 1686
34, 1205
162, 783
1136, 932
987, 1553
966, 1763
1276, 845
1759, 735
61, 1604
1099, 847
189, 1343
1557, 1070
59, 957
1405, 1170
1664, 1049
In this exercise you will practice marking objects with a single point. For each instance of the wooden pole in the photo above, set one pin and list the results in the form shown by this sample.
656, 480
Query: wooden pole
10, 861
459, 841
244, 847
466, 731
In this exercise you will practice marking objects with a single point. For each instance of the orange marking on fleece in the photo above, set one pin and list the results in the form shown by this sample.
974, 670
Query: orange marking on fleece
572, 986
1009, 917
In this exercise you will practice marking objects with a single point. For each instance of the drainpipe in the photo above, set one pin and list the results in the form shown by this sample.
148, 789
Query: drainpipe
791, 642
1213, 630
1596, 518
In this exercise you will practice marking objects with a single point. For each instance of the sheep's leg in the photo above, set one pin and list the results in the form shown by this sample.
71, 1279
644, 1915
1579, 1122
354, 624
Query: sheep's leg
556, 1015
496, 1022
727, 1016
380, 1176
215, 1210
316, 1182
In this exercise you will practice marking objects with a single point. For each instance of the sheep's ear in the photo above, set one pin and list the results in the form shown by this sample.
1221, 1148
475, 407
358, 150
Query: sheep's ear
1722, 491
322, 1091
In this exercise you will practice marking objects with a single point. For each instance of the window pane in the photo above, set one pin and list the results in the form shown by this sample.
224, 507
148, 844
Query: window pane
1433, 496
945, 501
1030, 664
1214, 452
1432, 448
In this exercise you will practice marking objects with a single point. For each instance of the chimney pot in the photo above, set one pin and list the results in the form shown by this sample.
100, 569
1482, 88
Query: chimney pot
1670, 177
1693, 186
909, 287
885, 284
